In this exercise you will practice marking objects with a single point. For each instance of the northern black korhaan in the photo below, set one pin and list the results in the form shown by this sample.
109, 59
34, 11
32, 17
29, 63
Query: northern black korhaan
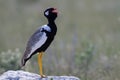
41, 39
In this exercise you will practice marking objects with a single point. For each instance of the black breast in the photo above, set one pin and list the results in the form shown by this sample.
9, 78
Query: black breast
50, 38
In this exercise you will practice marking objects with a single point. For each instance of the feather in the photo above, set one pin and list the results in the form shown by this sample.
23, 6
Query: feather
36, 41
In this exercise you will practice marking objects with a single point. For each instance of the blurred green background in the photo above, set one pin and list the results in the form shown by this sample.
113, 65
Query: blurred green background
87, 44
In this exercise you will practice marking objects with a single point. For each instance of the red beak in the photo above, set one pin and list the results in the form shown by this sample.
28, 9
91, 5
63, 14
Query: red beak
55, 10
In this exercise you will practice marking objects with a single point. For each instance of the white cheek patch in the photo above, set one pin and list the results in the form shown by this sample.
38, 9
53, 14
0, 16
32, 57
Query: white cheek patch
46, 13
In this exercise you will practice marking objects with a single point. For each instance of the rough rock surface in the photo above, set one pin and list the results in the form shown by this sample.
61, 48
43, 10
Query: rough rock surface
22, 75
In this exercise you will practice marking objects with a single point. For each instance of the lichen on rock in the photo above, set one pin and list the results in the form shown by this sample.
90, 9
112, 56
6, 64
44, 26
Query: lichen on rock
22, 75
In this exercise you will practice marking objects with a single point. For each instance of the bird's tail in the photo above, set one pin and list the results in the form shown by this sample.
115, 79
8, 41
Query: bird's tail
23, 61
21, 65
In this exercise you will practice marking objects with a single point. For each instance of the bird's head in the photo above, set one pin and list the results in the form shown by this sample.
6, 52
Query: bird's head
51, 13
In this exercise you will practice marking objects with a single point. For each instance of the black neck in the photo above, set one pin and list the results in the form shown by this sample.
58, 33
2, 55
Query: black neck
52, 25
51, 22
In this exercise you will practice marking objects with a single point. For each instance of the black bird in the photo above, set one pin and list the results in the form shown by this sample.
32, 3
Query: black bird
41, 39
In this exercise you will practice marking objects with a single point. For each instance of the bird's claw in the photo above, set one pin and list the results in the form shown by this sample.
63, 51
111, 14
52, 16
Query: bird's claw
43, 76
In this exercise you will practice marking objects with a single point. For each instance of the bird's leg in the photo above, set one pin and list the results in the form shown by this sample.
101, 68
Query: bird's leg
40, 64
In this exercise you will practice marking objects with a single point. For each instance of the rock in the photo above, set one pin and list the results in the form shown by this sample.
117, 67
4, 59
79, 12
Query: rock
22, 75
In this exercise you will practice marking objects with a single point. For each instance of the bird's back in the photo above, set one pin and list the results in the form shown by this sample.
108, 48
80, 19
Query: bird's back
38, 42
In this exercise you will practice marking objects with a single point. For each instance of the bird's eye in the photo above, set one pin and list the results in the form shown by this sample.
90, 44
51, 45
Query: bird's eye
47, 13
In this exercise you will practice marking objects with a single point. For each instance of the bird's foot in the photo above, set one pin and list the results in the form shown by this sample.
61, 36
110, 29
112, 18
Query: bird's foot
43, 76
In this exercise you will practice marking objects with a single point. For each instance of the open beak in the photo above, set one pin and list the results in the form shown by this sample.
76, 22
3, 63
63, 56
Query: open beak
55, 10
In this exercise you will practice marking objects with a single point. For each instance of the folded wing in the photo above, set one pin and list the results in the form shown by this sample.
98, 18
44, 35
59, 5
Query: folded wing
35, 42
